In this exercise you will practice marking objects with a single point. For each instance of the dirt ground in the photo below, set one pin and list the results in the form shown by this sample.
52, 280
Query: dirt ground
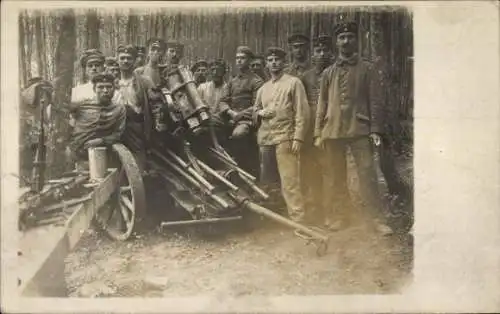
260, 258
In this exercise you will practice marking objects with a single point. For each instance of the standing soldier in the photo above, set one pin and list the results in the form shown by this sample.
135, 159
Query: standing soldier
311, 168
111, 67
258, 66
200, 69
237, 103
299, 45
134, 93
140, 60
92, 62
283, 111
156, 50
350, 115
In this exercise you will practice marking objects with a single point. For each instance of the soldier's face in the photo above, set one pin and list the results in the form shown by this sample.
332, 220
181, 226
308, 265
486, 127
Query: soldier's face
155, 53
172, 55
201, 73
104, 91
322, 54
346, 42
140, 59
125, 61
275, 64
257, 66
217, 71
299, 51
93, 67
114, 70
242, 61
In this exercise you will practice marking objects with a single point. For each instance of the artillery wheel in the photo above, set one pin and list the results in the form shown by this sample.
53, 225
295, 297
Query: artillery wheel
120, 217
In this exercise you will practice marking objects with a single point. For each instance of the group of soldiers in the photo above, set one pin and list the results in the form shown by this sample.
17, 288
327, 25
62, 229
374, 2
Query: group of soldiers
289, 124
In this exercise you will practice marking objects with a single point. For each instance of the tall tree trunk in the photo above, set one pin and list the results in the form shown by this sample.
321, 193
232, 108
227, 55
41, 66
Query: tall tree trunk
22, 52
39, 45
93, 24
64, 68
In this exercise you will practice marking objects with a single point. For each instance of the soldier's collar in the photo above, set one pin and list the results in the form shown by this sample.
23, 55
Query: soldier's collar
352, 60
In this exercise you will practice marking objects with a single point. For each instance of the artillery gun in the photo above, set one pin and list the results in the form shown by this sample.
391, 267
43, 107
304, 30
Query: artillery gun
184, 154
200, 176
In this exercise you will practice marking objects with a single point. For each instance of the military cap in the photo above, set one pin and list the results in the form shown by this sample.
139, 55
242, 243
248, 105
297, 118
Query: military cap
346, 27
218, 63
140, 49
246, 50
103, 78
110, 61
323, 40
127, 49
174, 44
91, 54
276, 51
259, 57
199, 63
156, 41
298, 39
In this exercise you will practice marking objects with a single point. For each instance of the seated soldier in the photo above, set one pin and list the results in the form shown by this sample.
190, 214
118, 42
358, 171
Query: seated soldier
99, 122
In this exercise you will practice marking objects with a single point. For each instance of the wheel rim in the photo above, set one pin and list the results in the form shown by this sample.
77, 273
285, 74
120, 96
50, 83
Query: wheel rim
120, 216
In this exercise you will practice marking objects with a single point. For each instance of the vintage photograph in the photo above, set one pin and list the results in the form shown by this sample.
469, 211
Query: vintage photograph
217, 150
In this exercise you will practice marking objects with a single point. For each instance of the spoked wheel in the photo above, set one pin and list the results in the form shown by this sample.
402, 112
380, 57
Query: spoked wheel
121, 215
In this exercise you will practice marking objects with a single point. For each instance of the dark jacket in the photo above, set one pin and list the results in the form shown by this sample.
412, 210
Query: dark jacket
350, 100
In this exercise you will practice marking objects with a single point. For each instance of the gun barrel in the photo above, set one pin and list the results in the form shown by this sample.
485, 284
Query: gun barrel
192, 171
218, 176
290, 223
232, 164
193, 180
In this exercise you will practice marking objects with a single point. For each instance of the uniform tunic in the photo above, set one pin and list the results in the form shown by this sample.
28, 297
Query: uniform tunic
286, 97
94, 121
349, 109
239, 95
349, 101
240, 92
311, 171
151, 73
297, 68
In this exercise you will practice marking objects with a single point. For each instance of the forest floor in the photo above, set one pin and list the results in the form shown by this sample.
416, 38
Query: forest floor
235, 260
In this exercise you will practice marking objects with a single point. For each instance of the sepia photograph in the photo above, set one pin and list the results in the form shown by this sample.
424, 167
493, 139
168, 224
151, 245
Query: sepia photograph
232, 151
238, 156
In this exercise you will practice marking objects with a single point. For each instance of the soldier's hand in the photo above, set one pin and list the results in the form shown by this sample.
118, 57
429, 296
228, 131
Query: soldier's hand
296, 146
266, 114
93, 143
318, 142
376, 139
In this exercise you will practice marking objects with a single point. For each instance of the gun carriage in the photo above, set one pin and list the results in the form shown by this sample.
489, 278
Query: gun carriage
184, 156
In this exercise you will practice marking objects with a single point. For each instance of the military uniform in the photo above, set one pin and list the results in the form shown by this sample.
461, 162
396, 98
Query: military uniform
285, 98
151, 71
239, 95
297, 68
312, 181
349, 109
95, 120
199, 77
134, 94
